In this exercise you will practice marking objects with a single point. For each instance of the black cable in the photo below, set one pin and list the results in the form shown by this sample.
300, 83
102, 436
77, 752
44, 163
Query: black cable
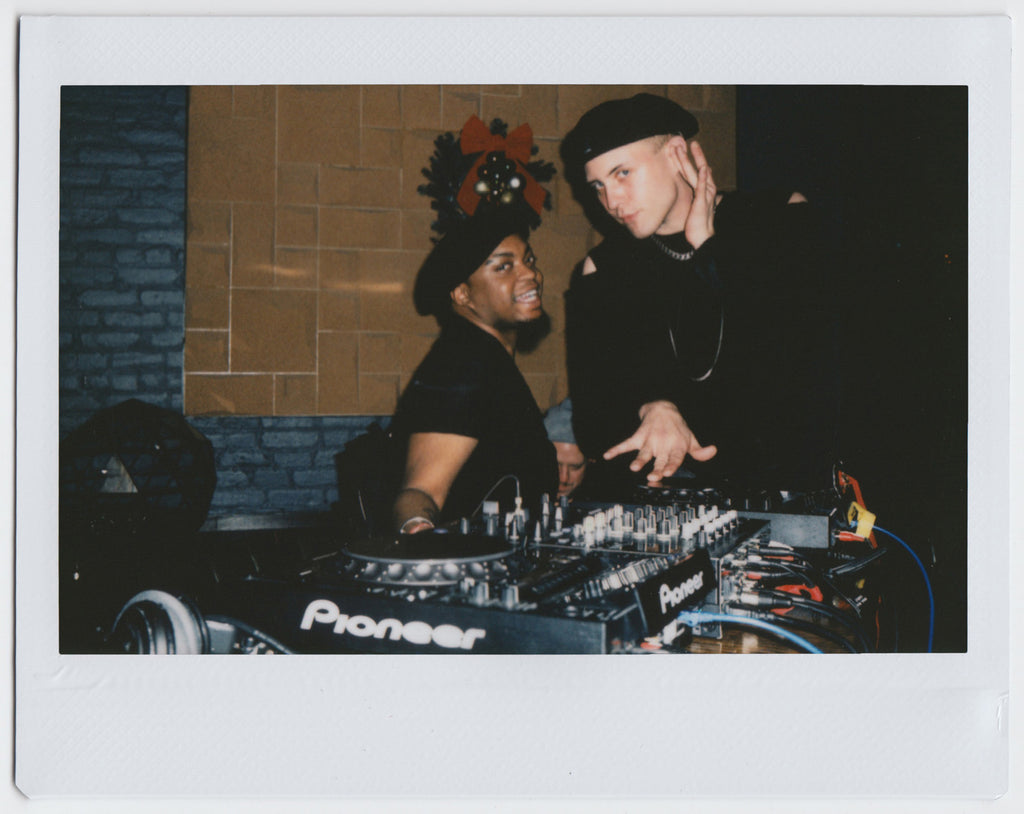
827, 610
820, 580
857, 565
490, 491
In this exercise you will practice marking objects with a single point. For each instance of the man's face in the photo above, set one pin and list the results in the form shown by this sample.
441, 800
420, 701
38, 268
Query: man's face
572, 466
639, 185
506, 290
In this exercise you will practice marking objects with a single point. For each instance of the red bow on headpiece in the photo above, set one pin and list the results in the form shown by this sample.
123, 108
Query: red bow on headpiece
477, 138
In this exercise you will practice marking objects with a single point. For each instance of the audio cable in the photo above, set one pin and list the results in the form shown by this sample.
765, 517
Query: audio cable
803, 625
491, 491
693, 618
783, 599
927, 584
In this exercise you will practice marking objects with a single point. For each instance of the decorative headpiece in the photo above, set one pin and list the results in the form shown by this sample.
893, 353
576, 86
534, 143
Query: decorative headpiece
485, 187
486, 167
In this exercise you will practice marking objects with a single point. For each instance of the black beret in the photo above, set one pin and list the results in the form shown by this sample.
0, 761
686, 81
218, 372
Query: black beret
462, 250
617, 122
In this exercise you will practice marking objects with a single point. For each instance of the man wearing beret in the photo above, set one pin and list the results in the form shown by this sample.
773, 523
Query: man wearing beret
699, 329
468, 421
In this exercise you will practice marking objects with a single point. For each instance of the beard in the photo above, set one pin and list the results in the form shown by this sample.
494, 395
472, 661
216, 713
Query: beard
529, 334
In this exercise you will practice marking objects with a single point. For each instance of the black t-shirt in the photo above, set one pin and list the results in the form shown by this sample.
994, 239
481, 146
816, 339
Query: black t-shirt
469, 385
740, 336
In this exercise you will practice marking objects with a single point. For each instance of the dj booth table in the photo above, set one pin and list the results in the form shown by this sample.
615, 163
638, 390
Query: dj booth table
566, 578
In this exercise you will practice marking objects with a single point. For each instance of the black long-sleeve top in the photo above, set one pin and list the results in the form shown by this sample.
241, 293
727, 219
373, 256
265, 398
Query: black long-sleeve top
740, 336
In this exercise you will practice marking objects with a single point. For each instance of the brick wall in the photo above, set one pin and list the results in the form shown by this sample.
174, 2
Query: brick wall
122, 298
306, 231
122, 248
123, 241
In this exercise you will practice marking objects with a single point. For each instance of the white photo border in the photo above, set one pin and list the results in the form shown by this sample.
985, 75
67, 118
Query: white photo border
918, 725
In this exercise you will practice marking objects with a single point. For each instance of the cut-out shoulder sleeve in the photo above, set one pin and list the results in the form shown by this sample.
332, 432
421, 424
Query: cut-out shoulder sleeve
588, 265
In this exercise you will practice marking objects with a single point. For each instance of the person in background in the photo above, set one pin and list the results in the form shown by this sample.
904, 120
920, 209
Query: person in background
572, 463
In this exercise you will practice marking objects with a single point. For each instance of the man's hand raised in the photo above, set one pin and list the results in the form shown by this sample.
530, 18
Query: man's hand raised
693, 166
665, 438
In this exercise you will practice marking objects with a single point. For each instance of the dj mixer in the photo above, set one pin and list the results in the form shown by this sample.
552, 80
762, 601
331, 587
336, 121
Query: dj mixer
580, 577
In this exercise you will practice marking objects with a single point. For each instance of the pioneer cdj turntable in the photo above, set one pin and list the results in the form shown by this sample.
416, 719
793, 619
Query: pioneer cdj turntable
565, 578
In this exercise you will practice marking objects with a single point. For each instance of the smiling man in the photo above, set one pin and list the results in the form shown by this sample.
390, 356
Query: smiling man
700, 329
468, 420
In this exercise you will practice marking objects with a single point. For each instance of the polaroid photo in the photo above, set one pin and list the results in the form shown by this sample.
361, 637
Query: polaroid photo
220, 226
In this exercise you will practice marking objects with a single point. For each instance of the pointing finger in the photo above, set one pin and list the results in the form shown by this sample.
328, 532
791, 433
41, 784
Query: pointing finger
628, 445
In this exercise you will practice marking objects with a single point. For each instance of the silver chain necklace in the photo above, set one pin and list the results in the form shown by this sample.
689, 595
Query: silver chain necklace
680, 256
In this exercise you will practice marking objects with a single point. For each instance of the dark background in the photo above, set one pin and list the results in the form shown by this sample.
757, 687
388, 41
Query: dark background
888, 167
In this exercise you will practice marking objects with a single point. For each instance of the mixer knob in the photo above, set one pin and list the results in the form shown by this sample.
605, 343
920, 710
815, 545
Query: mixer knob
510, 596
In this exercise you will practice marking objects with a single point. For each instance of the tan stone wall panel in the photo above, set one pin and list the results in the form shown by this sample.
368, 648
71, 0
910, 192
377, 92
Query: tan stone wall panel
255, 102
338, 374
341, 227
459, 103
421, 107
229, 395
252, 245
207, 307
378, 394
381, 148
501, 90
379, 352
389, 307
389, 266
208, 266
273, 331
298, 183
692, 97
231, 160
417, 231
382, 106
338, 311
417, 148
507, 108
717, 138
296, 226
306, 231
294, 394
340, 270
319, 124
209, 222
541, 104
206, 351
209, 101
295, 268
358, 187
